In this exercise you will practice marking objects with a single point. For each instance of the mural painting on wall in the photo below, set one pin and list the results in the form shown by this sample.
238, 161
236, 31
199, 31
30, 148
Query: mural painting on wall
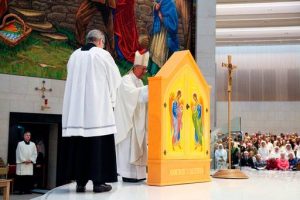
86, 11
38, 36
3, 7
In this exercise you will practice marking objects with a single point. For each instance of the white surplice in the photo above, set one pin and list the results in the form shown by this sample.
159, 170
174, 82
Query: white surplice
25, 152
131, 121
221, 158
264, 152
90, 94
274, 154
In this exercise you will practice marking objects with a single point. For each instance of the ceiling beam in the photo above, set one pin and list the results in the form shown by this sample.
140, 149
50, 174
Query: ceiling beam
259, 22
294, 38
255, 16
258, 9
259, 33
245, 23
251, 1
251, 41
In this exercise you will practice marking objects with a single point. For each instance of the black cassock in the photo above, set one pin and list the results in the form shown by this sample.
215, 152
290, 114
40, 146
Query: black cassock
91, 158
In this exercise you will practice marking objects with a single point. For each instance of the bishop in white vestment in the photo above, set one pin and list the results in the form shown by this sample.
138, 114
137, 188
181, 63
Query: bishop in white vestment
131, 122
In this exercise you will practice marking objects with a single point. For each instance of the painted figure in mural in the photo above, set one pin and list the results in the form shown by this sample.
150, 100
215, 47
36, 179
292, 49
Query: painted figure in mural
86, 11
184, 8
126, 34
176, 113
197, 121
3, 8
164, 33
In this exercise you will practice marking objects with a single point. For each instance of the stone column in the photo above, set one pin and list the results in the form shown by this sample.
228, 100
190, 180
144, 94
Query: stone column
205, 48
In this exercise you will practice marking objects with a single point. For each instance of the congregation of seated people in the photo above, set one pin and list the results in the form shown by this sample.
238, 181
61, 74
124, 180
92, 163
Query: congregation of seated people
262, 151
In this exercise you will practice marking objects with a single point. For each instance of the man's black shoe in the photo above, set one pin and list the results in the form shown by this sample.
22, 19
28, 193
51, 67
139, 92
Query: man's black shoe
132, 180
102, 188
80, 189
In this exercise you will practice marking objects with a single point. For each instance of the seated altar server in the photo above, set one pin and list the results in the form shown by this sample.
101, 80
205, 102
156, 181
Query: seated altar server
131, 122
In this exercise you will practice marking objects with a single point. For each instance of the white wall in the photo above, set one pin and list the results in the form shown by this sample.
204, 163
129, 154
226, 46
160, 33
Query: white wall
275, 117
264, 73
17, 94
280, 112
205, 46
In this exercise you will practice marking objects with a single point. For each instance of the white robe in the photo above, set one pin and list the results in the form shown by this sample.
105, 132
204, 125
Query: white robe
221, 158
90, 94
131, 121
270, 146
274, 154
24, 153
264, 152
298, 153
288, 152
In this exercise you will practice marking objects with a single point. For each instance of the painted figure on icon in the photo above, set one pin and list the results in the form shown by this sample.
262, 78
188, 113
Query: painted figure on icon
197, 122
176, 109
